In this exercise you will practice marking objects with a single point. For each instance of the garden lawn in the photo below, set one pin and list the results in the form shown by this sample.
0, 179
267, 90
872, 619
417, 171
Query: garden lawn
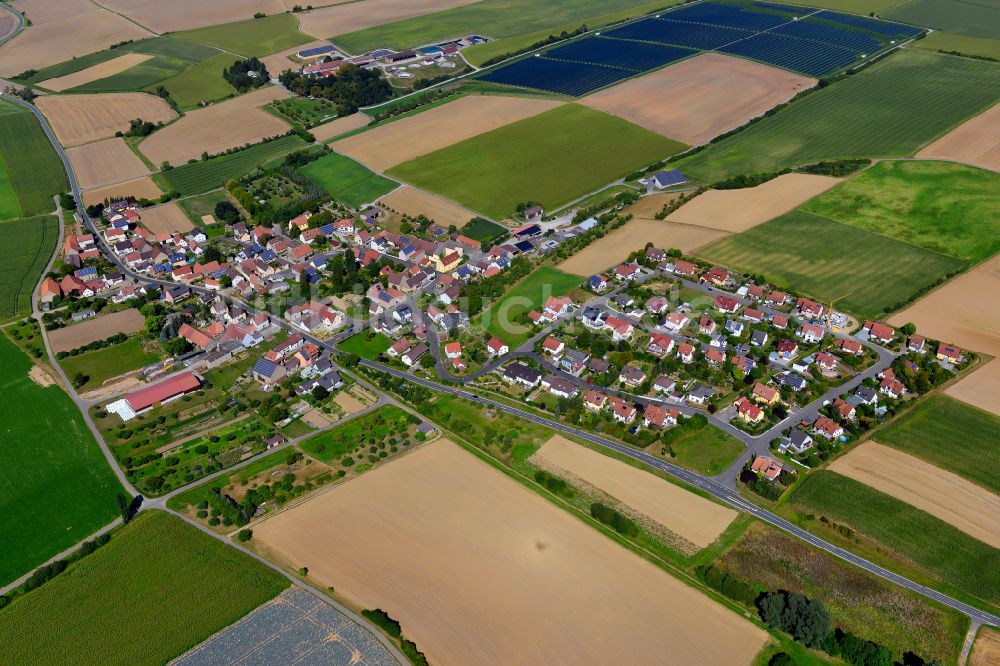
202, 82
483, 230
158, 588
365, 347
200, 177
202, 204
949, 208
137, 77
28, 165
103, 364
973, 19
551, 158
26, 248
890, 109
56, 488
707, 450
347, 180
934, 547
507, 319
253, 37
338, 442
869, 274
952, 435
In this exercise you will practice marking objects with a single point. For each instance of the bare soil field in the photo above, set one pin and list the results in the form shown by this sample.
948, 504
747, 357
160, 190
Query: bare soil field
736, 211
412, 201
279, 61
216, 128
79, 119
348, 17
96, 72
339, 126
623, 241
7, 25
98, 328
41, 376
138, 188
76, 34
691, 517
698, 99
558, 591
976, 142
316, 419
165, 218
986, 649
651, 204
402, 140
185, 14
942, 494
46, 11
962, 313
349, 403
105, 162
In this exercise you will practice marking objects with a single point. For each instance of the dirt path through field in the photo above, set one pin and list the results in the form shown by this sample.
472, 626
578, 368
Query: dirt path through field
942, 494
412, 201
736, 211
95, 73
976, 141
104, 162
348, 17
98, 328
479, 570
79, 119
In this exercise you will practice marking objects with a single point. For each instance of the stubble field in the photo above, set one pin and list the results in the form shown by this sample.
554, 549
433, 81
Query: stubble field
98, 328
349, 17
338, 126
139, 188
105, 162
165, 218
700, 98
986, 649
558, 591
94, 73
79, 119
185, 14
412, 201
975, 141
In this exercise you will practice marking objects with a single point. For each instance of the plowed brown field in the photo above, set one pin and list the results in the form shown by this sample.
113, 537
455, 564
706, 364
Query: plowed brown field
104, 162
78, 119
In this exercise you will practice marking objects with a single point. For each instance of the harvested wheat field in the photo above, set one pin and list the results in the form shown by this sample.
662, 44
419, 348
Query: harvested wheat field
942, 494
140, 188
986, 649
348, 17
402, 140
47, 11
339, 126
411, 201
165, 218
975, 142
7, 25
693, 518
623, 241
75, 35
77, 335
216, 128
105, 162
78, 119
558, 591
95, 73
698, 99
736, 211
185, 14
960, 313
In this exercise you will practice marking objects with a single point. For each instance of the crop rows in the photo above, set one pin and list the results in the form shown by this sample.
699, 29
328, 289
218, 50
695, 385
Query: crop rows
200, 177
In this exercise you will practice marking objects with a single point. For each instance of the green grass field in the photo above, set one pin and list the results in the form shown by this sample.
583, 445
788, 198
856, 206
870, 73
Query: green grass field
950, 434
496, 18
336, 443
483, 230
253, 37
201, 204
973, 19
347, 180
527, 160
364, 347
56, 487
137, 77
202, 82
201, 177
27, 245
948, 208
157, 589
890, 109
29, 167
932, 546
945, 41
869, 274
707, 450
304, 112
506, 318
103, 364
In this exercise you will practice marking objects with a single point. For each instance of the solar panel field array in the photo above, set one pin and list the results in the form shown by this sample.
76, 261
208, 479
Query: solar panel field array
807, 41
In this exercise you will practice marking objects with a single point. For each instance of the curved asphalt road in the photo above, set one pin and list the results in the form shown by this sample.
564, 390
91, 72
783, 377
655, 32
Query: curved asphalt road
711, 486
20, 22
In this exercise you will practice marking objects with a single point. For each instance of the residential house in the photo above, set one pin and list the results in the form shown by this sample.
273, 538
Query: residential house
496, 347
685, 269
685, 351
413, 354
664, 384
826, 361
758, 338
726, 304
594, 401
398, 347
675, 321
827, 428
657, 304
720, 277
706, 325
620, 329
846, 410
892, 387
574, 362
766, 467
627, 272
598, 283
809, 309
700, 394
848, 346
810, 333
632, 376
553, 347
522, 374
559, 387
748, 412
453, 349
654, 416
787, 349
879, 332
715, 357
949, 353
796, 442
623, 412
916, 344
660, 345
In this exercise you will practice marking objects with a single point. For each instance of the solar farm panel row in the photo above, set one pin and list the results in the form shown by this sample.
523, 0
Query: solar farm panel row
558, 76
884, 28
821, 32
680, 34
726, 15
637, 56
787, 9
799, 55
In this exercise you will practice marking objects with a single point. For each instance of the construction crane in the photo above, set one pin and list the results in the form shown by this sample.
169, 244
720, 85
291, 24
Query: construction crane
829, 312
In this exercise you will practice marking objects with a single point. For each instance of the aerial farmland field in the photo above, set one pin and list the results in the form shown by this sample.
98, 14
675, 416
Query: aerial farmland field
254, 37
79, 119
522, 155
973, 142
157, 560
94, 72
202, 82
27, 245
890, 109
869, 274
347, 180
200, 177
105, 162
973, 19
30, 170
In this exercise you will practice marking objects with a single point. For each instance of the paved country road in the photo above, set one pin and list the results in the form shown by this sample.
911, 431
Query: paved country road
709, 485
